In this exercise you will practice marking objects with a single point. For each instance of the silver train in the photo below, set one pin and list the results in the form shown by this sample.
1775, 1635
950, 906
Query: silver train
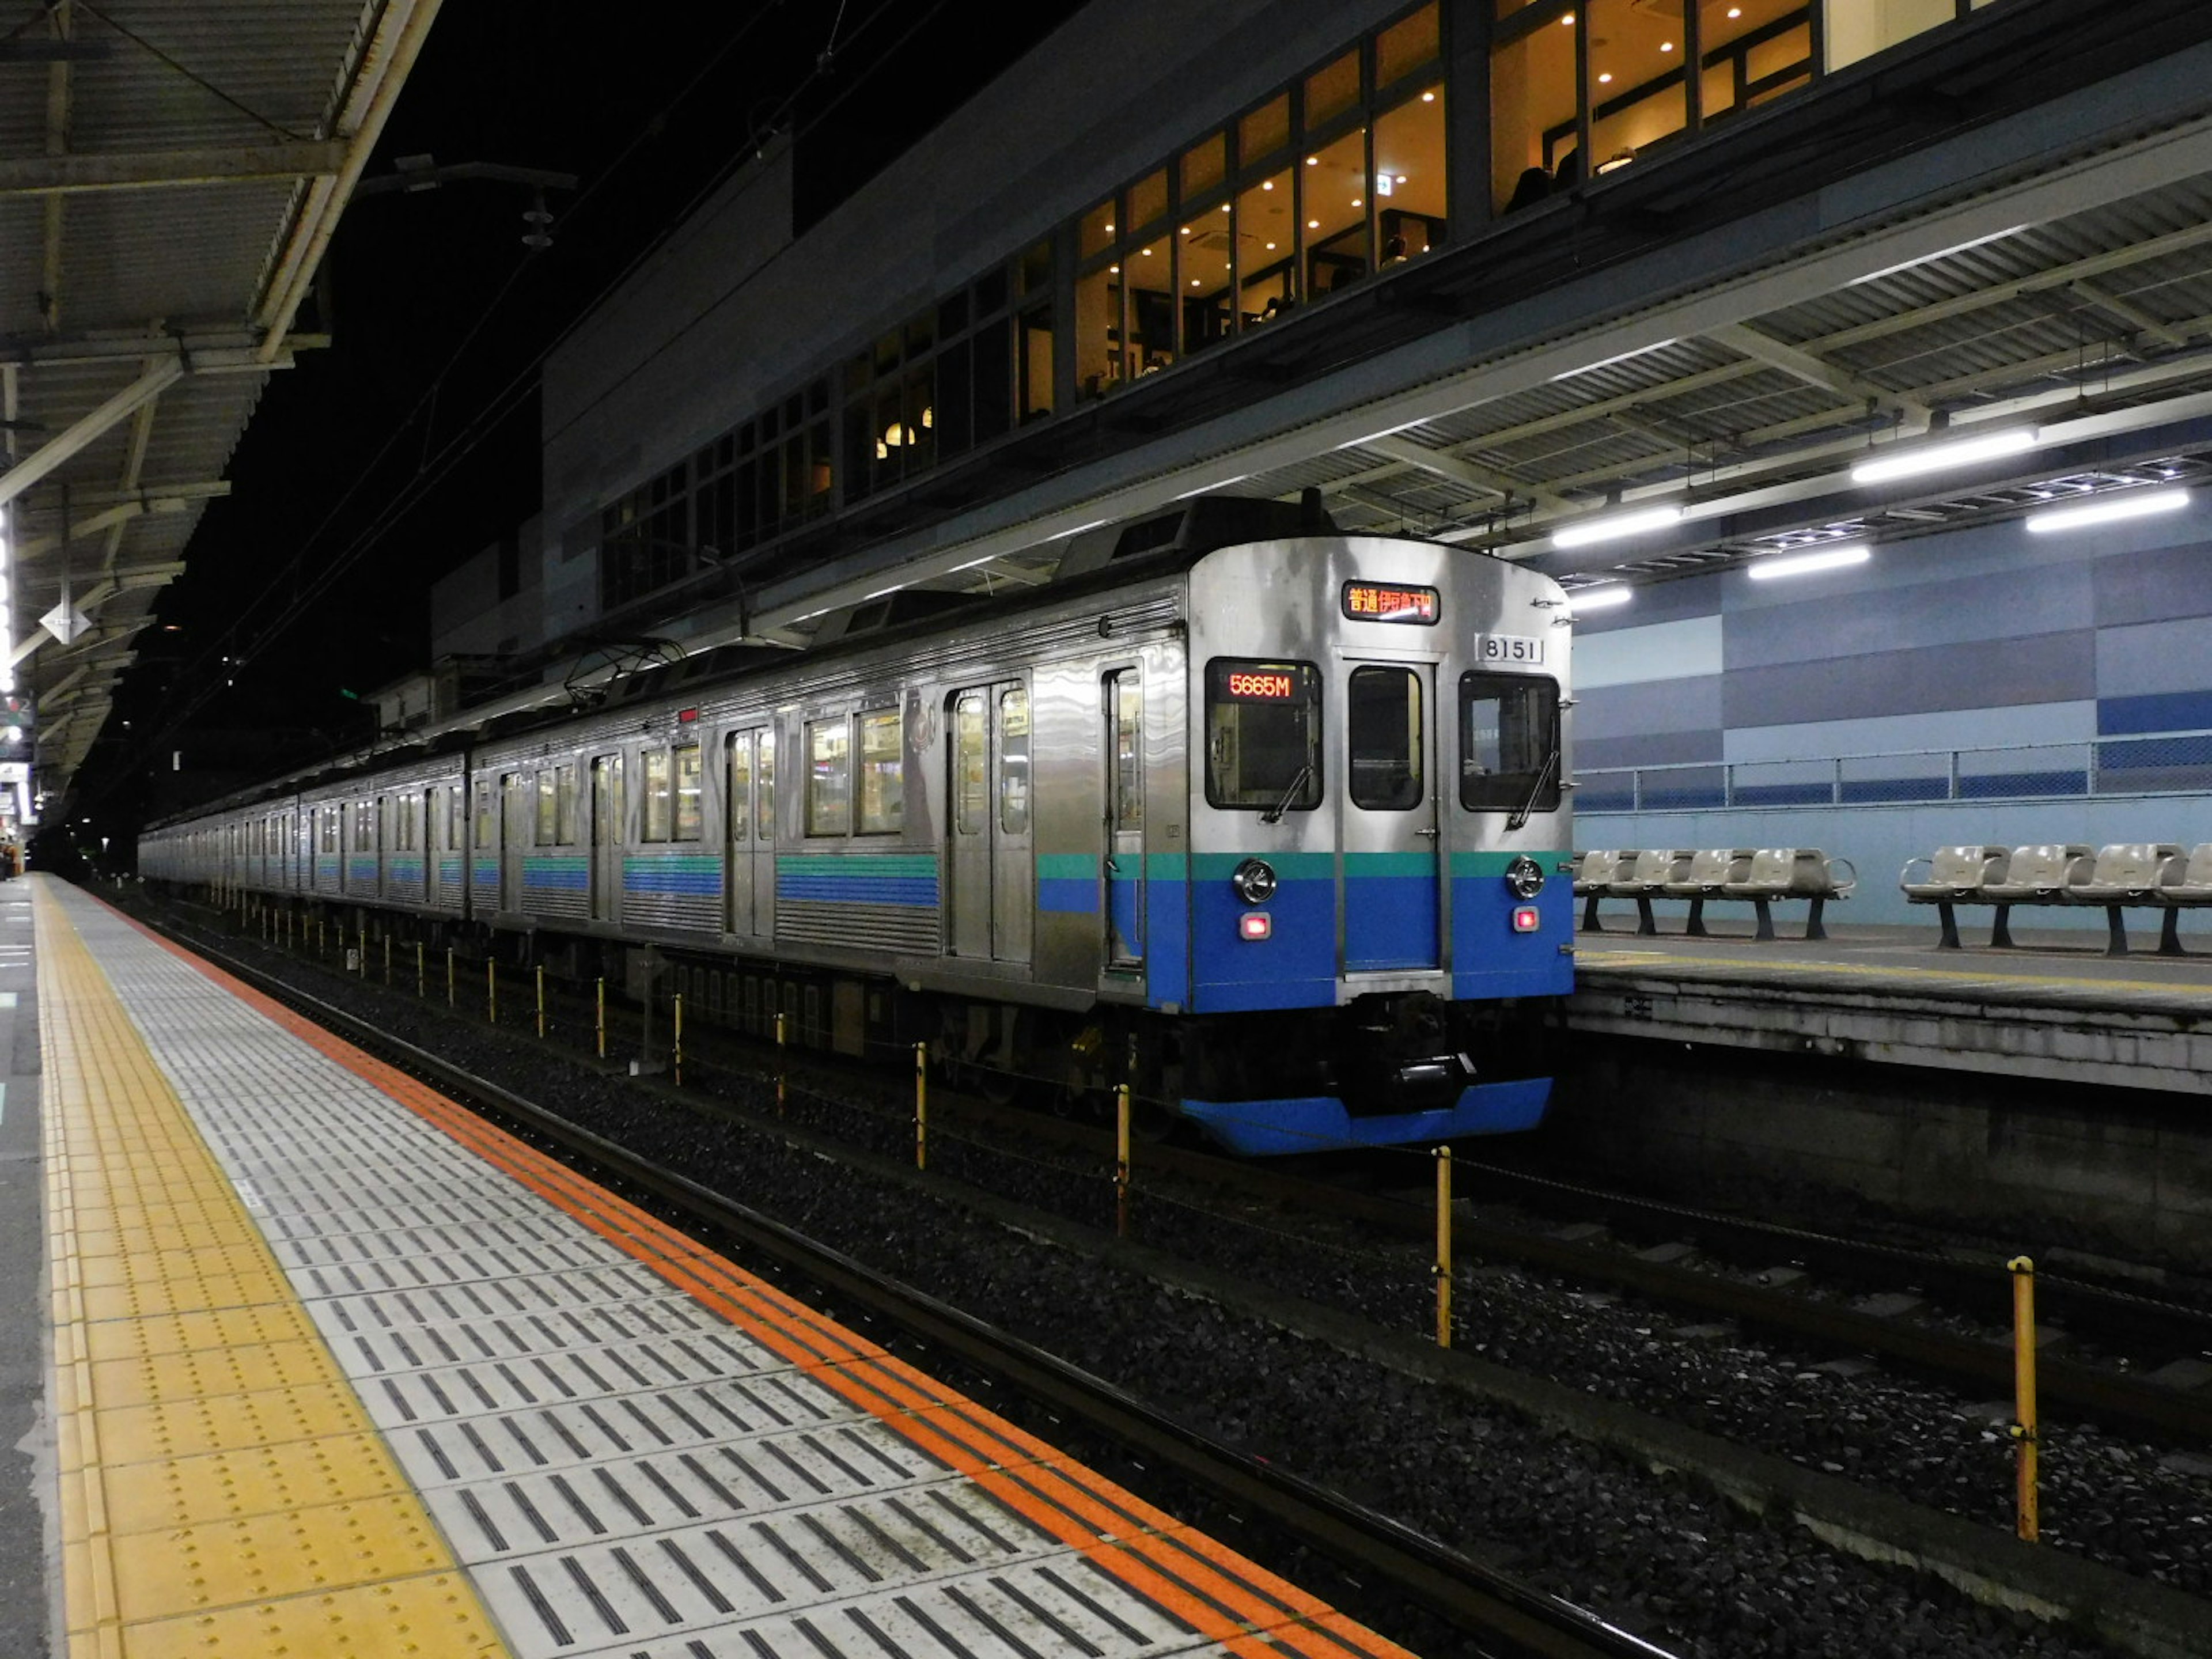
1268, 822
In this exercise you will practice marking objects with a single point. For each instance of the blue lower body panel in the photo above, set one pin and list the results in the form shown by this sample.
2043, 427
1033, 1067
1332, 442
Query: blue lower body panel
1319, 1123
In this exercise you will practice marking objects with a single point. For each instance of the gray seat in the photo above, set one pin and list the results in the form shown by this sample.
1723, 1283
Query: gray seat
2189, 888
1653, 870
2126, 873
1954, 873
1595, 873
1780, 873
2038, 874
1709, 873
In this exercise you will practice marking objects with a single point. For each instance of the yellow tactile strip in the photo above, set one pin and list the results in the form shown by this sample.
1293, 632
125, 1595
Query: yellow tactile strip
222, 1490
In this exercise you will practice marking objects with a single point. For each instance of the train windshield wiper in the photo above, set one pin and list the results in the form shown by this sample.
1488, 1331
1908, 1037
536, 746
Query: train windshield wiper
1274, 814
1543, 775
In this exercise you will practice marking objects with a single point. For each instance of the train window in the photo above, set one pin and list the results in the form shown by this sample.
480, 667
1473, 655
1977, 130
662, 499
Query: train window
971, 765
1126, 708
829, 778
741, 787
1387, 740
486, 831
564, 805
764, 786
1014, 760
456, 814
659, 800
883, 781
548, 808
689, 797
1263, 735
1509, 746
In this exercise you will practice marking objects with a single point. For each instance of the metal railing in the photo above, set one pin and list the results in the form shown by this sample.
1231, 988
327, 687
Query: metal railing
2138, 763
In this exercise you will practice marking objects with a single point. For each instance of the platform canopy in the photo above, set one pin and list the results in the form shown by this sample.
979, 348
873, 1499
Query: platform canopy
171, 173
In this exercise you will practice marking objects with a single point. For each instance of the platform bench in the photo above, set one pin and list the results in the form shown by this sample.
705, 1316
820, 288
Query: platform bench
2140, 874
1757, 876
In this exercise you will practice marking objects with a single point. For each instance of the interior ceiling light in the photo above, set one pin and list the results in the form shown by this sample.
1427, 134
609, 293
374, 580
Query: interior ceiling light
1934, 457
1613, 525
1600, 599
2109, 509
1799, 564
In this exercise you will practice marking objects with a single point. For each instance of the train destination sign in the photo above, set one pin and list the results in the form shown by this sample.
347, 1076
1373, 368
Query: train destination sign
1390, 602
1261, 685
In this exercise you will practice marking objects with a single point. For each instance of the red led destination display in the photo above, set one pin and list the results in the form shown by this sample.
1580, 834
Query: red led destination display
1388, 602
1261, 685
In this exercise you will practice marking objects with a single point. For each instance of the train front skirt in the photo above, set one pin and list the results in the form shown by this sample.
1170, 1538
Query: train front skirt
1320, 1123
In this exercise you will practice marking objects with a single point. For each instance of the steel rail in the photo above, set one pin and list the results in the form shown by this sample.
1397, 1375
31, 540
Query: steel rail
1513, 1620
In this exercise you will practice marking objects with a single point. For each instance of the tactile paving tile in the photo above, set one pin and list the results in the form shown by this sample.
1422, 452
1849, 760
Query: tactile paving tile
624, 1469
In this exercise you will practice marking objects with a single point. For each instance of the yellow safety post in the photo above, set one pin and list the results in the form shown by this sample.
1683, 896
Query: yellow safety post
422, 973
361, 949
599, 1016
541, 1002
491, 990
1121, 1160
449, 976
778, 1065
922, 1106
676, 1042
1444, 1247
387, 961
2023, 1387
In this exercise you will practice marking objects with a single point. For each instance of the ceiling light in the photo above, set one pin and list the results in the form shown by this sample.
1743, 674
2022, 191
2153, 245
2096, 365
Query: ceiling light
1356, 202
1735, 11
1606, 79
1267, 184
1428, 98
1608, 526
1933, 458
1271, 248
1113, 270
2109, 509
1568, 22
1600, 599
1798, 564
1109, 226
1313, 160
1666, 46
1313, 224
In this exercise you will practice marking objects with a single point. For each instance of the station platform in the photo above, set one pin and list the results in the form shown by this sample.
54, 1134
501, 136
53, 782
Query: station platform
338, 1370
2053, 1006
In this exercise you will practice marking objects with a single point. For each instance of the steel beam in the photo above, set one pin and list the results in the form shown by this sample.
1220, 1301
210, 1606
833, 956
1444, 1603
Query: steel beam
68, 174
42, 462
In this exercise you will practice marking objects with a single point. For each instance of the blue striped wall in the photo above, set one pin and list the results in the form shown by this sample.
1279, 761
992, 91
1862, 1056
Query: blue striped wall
1975, 638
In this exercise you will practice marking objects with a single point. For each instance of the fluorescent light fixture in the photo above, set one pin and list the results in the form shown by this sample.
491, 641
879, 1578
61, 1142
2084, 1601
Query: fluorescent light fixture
2109, 509
884, 592
1799, 564
1583, 600
1935, 458
971, 564
1612, 525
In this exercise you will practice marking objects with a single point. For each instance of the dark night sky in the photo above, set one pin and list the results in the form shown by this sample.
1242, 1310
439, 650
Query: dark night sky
649, 110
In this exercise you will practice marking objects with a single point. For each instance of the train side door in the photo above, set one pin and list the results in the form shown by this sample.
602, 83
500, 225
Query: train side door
752, 820
990, 871
606, 837
517, 819
1124, 820
1393, 895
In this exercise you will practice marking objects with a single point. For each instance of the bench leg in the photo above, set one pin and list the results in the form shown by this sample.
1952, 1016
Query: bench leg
1765, 910
1697, 928
2001, 929
1949, 913
1645, 926
2116, 941
1590, 923
2169, 934
1814, 928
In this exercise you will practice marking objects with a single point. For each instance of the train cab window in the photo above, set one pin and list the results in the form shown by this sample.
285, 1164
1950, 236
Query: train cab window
829, 777
1263, 735
883, 782
549, 816
1387, 740
1014, 760
659, 796
564, 805
1509, 753
690, 795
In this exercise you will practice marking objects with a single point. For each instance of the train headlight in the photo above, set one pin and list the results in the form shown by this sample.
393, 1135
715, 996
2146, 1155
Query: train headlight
1255, 881
1524, 877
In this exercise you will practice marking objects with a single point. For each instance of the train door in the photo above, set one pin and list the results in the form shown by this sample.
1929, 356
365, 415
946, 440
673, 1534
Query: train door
752, 884
989, 869
517, 819
1124, 820
1392, 895
606, 837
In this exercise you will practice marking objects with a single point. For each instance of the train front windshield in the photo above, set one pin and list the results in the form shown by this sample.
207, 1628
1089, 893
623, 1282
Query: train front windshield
1263, 735
1509, 743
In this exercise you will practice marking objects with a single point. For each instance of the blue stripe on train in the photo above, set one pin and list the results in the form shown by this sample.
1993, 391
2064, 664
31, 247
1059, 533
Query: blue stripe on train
858, 889
1319, 1123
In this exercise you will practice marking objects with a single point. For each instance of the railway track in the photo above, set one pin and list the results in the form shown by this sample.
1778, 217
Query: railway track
1501, 1615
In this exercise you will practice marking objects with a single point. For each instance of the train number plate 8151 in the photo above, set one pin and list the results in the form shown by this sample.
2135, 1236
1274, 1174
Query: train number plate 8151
1509, 651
